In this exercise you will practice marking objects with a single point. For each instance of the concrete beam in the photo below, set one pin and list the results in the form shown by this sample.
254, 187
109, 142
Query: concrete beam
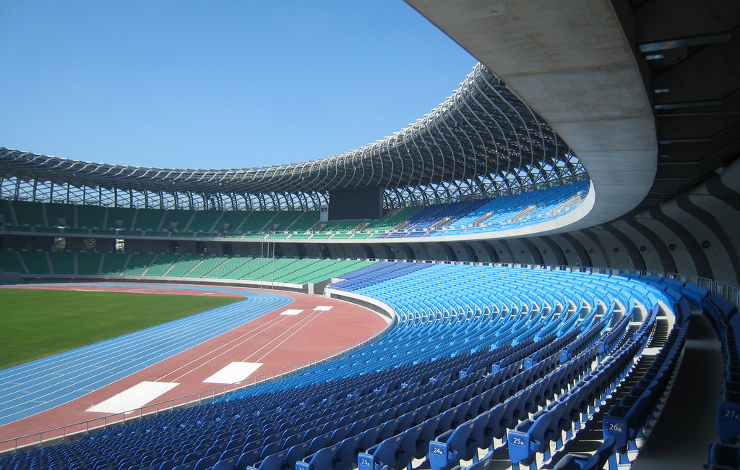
572, 63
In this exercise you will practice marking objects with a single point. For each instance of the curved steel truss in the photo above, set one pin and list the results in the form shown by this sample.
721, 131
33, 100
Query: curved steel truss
482, 141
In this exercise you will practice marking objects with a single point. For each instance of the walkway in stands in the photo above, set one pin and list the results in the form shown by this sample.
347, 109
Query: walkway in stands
266, 332
689, 419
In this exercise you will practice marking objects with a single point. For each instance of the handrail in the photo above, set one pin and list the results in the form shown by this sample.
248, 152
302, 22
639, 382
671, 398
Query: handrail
68, 430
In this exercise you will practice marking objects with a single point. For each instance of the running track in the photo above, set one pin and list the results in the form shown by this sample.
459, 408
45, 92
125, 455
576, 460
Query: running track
42, 384
184, 351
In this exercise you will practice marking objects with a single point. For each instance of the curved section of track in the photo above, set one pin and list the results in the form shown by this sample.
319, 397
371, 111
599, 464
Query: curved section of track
42, 384
264, 333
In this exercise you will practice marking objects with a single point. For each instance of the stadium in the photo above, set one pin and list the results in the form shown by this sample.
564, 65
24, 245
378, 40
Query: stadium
536, 274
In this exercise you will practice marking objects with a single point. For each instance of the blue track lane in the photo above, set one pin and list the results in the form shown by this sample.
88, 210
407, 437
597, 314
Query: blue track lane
42, 384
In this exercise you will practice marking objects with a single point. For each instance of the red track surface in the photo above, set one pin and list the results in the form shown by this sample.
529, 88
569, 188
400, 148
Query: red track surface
275, 340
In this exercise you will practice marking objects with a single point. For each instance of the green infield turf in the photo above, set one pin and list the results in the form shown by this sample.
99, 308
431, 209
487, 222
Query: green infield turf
36, 323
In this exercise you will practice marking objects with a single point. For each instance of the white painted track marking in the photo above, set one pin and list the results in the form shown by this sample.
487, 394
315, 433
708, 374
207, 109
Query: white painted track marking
291, 312
233, 373
133, 398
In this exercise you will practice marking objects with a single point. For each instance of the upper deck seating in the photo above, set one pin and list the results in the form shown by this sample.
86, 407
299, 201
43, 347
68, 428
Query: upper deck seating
149, 219
29, 213
306, 221
90, 216
62, 215
177, 220
203, 221
120, 217
258, 221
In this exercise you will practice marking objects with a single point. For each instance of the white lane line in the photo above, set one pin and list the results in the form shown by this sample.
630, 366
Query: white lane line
233, 373
317, 311
133, 398
234, 343
302, 321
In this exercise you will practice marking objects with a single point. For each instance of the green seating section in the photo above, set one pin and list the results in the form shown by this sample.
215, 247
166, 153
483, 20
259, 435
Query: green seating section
203, 221
231, 235
206, 266
345, 225
278, 235
5, 212
227, 267
10, 263
60, 215
177, 218
161, 264
149, 219
29, 213
113, 263
36, 262
130, 233
256, 221
78, 231
63, 262
17, 228
266, 269
233, 219
253, 225
47, 230
248, 267
297, 270
305, 222
137, 264
278, 270
124, 215
328, 269
183, 265
90, 216
88, 263
283, 220
390, 221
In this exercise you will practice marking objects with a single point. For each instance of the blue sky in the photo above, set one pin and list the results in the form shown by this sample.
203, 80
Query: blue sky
228, 84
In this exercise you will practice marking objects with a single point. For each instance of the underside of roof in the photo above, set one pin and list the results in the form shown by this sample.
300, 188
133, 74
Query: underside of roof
483, 141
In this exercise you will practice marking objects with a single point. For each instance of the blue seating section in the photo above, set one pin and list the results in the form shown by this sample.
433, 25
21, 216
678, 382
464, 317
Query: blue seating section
630, 419
543, 204
480, 357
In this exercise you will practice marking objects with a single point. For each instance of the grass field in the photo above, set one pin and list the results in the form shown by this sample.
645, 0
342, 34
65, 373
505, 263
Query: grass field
35, 323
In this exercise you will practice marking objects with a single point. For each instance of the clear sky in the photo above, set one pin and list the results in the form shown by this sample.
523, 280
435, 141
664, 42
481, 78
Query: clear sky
226, 84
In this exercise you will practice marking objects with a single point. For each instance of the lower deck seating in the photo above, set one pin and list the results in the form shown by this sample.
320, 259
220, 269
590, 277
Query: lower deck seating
480, 358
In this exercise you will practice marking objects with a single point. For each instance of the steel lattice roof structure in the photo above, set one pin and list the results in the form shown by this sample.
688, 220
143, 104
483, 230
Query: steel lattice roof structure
483, 141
